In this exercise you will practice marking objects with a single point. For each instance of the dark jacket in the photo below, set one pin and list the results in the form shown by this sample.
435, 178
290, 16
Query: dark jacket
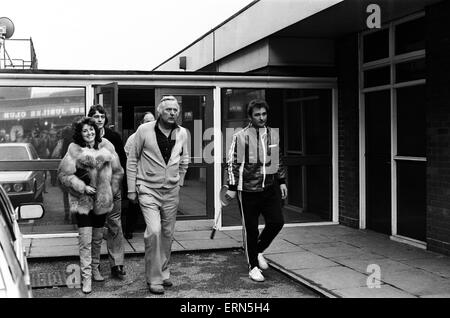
115, 139
254, 160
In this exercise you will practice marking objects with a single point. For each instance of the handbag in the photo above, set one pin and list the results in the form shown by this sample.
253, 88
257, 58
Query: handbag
83, 175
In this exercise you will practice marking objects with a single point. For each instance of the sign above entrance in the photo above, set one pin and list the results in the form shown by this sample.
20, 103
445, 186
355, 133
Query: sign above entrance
43, 112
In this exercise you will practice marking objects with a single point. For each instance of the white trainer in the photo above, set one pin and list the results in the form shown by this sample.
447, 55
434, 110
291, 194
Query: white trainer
262, 262
256, 275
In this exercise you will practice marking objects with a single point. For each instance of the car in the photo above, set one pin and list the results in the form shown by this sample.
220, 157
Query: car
21, 186
14, 273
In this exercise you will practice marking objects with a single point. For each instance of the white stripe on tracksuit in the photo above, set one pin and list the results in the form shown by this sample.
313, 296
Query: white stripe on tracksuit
231, 179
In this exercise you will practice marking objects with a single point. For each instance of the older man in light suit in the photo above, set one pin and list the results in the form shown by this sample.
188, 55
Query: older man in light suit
156, 167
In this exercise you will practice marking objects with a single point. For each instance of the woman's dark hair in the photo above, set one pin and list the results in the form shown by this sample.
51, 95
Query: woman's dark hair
256, 103
78, 127
98, 108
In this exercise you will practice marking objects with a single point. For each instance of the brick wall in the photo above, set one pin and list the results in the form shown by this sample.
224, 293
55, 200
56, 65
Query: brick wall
347, 72
438, 127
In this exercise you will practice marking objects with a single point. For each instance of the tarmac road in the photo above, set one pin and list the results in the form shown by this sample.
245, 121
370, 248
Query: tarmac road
213, 274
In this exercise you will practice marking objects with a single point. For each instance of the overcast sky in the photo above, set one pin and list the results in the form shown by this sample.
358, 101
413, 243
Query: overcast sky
111, 34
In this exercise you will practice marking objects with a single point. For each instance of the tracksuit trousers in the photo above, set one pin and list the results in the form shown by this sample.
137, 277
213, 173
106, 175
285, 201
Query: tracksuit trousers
252, 205
159, 208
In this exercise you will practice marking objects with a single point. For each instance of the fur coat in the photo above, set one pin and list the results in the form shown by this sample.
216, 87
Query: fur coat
104, 172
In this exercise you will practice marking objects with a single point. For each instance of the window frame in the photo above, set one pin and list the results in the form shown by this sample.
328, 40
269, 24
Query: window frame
390, 61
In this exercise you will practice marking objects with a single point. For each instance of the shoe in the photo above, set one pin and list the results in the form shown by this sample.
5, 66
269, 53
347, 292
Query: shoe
117, 271
86, 286
167, 283
156, 289
256, 275
262, 262
96, 276
128, 236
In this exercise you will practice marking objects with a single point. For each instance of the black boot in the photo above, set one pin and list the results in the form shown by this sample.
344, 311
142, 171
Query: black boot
117, 271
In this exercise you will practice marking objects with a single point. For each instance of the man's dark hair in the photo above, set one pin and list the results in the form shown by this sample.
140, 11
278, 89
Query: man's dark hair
98, 108
256, 103
78, 127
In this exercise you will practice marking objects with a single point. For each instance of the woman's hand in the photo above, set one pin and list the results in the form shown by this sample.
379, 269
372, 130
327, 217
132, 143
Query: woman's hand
284, 191
90, 190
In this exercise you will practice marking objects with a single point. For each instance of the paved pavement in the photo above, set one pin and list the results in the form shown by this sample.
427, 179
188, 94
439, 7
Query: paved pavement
198, 275
335, 260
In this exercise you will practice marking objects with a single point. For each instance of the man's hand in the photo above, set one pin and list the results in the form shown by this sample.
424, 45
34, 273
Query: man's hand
90, 190
132, 196
284, 191
230, 195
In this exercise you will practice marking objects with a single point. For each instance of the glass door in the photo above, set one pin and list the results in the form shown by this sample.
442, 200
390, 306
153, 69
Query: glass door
107, 96
196, 115
378, 161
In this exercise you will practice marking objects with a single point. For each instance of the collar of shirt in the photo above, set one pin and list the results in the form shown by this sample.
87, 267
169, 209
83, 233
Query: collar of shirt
174, 126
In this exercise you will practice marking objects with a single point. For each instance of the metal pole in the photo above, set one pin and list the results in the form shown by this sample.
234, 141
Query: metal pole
2, 47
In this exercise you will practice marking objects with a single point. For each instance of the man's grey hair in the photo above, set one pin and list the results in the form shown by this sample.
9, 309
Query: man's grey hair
163, 101
146, 115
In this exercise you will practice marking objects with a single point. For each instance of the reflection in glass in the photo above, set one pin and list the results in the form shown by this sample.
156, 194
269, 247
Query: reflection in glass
193, 193
35, 124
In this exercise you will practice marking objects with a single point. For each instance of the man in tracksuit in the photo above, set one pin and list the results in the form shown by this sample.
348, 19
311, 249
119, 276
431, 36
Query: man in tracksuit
156, 167
256, 173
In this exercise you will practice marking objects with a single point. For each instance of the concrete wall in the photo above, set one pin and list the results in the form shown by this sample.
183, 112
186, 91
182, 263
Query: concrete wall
299, 51
197, 56
262, 19
253, 57
438, 127
274, 52
250, 26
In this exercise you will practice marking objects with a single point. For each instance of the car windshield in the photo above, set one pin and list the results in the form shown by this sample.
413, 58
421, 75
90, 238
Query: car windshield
13, 153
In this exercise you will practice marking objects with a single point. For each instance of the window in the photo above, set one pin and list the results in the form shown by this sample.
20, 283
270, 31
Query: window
410, 36
40, 116
394, 67
376, 45
303, 119
411, 126
410, 71
377, 76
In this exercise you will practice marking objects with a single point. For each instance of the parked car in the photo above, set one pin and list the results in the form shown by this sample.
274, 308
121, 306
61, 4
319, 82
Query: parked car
14, 273
21, 186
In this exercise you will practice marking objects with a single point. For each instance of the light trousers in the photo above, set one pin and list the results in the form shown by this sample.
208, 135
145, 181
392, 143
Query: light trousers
114, 236
159, 208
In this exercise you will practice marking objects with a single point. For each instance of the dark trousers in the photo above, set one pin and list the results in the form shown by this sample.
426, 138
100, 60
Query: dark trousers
91, 220
131, 217
253, 204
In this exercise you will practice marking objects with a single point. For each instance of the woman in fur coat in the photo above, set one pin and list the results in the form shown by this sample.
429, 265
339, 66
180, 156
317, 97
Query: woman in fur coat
91, 173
